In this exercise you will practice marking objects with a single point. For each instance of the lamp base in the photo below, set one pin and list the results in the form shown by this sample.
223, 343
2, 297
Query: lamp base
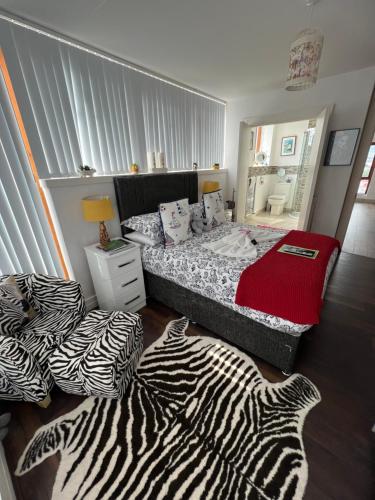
103, 234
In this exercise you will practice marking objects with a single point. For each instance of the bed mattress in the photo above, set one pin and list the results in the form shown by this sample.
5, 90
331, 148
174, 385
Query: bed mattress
215, 276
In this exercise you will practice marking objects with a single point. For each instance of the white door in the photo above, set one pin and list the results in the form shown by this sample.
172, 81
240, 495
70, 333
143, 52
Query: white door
310, 195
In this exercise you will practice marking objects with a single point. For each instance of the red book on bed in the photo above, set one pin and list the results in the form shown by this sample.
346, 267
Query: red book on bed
288, 286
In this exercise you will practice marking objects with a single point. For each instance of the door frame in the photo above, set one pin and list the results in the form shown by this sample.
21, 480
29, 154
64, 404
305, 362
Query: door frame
291, 115
365, 142
310, 196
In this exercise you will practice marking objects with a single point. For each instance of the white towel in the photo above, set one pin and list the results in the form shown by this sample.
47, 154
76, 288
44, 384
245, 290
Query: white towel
238, 242
262, 235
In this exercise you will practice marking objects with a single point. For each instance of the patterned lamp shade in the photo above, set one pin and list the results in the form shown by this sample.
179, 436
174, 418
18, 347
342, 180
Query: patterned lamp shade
304, 59
97, 208
210, 186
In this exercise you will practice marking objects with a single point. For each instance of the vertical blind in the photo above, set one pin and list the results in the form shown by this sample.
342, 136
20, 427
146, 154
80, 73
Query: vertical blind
79, 108
26, 243
85, 109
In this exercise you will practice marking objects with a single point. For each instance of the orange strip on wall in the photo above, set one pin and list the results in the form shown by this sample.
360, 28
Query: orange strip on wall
17, 113
259, 139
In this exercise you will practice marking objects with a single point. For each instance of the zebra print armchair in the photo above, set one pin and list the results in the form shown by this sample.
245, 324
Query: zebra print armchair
24, 368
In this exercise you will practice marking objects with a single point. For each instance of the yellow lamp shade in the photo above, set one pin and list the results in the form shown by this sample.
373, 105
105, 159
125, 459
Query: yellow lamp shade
210, 186
97, 208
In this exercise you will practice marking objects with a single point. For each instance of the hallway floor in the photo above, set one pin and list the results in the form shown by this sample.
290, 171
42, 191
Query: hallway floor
360, 237
283, 221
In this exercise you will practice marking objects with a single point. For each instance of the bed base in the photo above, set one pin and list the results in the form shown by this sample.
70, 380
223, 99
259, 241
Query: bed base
277, 348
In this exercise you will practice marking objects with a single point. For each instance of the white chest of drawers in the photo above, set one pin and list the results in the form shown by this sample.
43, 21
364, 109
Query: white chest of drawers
118, 278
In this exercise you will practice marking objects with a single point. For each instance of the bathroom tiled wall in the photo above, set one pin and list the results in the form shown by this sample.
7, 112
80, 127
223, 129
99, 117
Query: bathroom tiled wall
301, 187
302, 177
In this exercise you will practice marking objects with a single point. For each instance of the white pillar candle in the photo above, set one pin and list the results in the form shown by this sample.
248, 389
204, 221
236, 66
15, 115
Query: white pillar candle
151, 163
160, 160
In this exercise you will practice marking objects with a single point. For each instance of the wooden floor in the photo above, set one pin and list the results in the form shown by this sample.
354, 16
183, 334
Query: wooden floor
360, 236
337, 355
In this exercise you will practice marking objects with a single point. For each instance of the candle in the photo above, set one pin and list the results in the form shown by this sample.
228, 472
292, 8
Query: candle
160, 160
151, 163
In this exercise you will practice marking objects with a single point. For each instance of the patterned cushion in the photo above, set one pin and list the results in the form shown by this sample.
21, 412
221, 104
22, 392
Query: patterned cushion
15, 309
147, 224
10, 290
214, 208
44, 333
21, 377
57, 294
100, 357
175, 218
11, 317
24, 367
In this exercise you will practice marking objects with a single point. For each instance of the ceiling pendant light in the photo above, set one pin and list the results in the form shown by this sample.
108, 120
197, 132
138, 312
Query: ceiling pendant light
304, 56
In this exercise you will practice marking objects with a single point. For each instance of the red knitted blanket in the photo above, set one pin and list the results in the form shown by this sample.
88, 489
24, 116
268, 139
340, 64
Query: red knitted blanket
288, 286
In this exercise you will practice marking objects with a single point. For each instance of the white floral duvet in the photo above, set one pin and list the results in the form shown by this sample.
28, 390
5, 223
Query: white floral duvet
215, 276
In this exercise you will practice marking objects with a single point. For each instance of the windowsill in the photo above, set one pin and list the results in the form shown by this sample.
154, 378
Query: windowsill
100, 179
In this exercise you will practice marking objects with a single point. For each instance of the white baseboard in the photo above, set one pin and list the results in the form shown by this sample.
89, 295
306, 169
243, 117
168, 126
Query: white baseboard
363, 199
91, 303
6, 485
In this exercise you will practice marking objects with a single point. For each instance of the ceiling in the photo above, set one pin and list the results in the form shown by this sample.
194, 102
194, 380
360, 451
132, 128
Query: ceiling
228, 48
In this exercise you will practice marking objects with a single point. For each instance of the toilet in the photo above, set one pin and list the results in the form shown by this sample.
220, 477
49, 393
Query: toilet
279, 198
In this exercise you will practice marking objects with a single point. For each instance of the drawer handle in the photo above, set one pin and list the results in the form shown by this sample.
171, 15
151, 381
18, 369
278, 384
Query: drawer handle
130, 301
129, 282
126, 263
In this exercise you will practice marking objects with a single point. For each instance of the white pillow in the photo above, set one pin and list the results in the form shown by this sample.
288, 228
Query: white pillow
147, 224
175, 219
141, 238
214, 208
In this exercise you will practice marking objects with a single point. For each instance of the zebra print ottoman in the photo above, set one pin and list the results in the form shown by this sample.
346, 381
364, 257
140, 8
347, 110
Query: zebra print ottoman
100, 357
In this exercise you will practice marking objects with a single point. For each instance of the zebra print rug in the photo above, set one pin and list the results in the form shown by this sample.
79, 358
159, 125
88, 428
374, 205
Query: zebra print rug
197, 421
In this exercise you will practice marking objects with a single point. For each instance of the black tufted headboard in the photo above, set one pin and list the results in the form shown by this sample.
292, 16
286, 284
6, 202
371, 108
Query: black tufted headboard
141, 194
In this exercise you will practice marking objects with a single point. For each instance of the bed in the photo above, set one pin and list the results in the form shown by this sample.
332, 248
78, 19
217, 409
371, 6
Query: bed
209, 280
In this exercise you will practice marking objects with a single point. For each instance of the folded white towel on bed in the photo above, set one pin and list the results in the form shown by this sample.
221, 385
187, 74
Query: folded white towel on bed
262, 235
238, 243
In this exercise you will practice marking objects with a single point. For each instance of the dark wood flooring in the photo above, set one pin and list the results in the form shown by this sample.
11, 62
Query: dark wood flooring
338, 356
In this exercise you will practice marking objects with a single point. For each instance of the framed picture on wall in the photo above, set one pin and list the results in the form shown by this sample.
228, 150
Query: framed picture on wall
288, 145
341, 147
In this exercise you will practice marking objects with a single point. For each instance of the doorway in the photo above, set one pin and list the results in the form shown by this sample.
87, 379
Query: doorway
360, 235
277, 170
263, 142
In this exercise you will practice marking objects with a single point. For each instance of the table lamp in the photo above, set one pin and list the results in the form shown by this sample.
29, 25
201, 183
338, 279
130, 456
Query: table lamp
98, 209
210, 186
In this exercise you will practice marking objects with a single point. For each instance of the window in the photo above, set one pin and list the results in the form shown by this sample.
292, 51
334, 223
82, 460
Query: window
367, 171
28, 241
82, 108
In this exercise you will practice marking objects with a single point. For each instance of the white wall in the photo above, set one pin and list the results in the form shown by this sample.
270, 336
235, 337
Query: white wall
64, 197
64, 200
350, 92
285, 130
